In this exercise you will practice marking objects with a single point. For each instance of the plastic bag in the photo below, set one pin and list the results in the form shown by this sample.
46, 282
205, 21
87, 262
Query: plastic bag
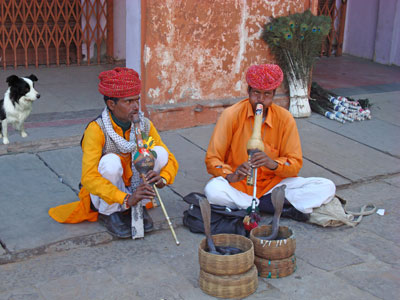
334, 214
223, 219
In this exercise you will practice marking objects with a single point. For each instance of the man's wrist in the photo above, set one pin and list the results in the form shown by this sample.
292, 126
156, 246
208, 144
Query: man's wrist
125, 203
162, 182
229, 177
131, 201
275, 166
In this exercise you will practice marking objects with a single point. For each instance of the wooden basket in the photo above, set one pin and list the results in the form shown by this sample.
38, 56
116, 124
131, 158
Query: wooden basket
283, 247
233, 286
227, 264
275, 268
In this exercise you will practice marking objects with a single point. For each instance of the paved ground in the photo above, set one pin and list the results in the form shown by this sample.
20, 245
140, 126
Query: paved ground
41, 259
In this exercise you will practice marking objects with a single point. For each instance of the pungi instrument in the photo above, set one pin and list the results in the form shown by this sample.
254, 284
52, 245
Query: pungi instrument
254, 145
144, 162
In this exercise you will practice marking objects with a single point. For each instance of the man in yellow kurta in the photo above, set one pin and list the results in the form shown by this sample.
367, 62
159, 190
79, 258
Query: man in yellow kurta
278, 164
112, 190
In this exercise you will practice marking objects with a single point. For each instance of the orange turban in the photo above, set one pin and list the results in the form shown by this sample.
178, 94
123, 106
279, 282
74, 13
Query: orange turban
264, 77
119, 83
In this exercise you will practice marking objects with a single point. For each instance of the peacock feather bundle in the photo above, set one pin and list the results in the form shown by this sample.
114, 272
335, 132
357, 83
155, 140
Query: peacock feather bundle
295, 41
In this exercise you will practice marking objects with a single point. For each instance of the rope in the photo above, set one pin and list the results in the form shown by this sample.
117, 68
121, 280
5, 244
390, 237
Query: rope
363, 212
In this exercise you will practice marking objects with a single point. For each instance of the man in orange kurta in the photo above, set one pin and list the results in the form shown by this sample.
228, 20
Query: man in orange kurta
227, 158
110, 183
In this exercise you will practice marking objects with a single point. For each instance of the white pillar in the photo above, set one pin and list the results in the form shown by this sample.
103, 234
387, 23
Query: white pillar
133, 34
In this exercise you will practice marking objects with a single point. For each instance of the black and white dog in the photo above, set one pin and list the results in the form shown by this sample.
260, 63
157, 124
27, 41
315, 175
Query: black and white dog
17, 104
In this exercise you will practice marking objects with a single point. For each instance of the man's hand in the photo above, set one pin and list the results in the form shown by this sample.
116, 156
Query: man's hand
153, 177
241, 172
143, 191
261, 159
258, 159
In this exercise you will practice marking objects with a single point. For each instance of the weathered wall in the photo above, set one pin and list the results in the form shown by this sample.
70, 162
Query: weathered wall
195, 55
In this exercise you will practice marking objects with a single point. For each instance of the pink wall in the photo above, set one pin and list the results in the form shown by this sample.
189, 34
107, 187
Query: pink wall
395, 53
387, 33
360, 30
373, 30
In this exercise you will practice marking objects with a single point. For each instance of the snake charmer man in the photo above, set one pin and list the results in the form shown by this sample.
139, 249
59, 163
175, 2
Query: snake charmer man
278, 164
111, 187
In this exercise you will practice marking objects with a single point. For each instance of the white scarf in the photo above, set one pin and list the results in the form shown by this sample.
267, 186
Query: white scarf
125, 146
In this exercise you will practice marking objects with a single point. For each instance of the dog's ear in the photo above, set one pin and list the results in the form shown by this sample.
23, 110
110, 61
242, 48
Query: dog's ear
12, 80
33, 77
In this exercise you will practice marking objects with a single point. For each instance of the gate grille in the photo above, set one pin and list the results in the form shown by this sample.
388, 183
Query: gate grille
48, 32
334, 41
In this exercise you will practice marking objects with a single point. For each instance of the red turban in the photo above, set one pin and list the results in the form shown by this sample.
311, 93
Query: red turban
264, 77
119, 83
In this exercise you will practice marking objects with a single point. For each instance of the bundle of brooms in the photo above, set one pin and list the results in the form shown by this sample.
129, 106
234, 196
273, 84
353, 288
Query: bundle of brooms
337, 107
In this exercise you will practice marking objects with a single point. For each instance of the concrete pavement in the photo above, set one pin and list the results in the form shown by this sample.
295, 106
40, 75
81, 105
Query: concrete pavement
41, 259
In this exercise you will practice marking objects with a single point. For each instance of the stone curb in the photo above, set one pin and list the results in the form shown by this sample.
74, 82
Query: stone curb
73, 243
89, 240
40, 145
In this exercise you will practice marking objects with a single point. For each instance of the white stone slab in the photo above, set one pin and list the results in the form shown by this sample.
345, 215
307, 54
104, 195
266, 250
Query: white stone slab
29, 189
376, 278
342, 155
199, 135
66, 163
384, 106
192, 174
375, 133
310, 169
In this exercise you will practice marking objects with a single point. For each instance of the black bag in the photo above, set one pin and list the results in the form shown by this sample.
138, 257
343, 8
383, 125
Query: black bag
223, 219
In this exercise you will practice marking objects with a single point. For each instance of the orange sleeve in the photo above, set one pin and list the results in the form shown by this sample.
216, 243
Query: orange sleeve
92, 146
290, 158
171, 168
219, 145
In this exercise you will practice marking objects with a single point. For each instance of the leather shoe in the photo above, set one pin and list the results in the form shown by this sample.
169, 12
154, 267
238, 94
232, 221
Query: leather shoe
115, 225
147, 221
295, 214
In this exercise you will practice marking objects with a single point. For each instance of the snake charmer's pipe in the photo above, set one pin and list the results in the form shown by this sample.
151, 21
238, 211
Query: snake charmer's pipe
144, 162
255, 143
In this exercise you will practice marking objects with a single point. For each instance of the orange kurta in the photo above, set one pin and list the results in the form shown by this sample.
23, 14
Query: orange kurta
92, 181
227, 147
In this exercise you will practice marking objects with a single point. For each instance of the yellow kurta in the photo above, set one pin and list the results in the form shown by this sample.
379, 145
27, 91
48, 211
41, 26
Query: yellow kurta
92, 181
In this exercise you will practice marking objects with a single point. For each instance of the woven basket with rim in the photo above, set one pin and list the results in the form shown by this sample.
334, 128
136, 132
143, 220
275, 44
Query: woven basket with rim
233, 286
227, 264
275, 268
283, 247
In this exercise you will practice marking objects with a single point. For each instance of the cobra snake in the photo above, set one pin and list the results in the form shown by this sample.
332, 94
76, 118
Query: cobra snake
277, 199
